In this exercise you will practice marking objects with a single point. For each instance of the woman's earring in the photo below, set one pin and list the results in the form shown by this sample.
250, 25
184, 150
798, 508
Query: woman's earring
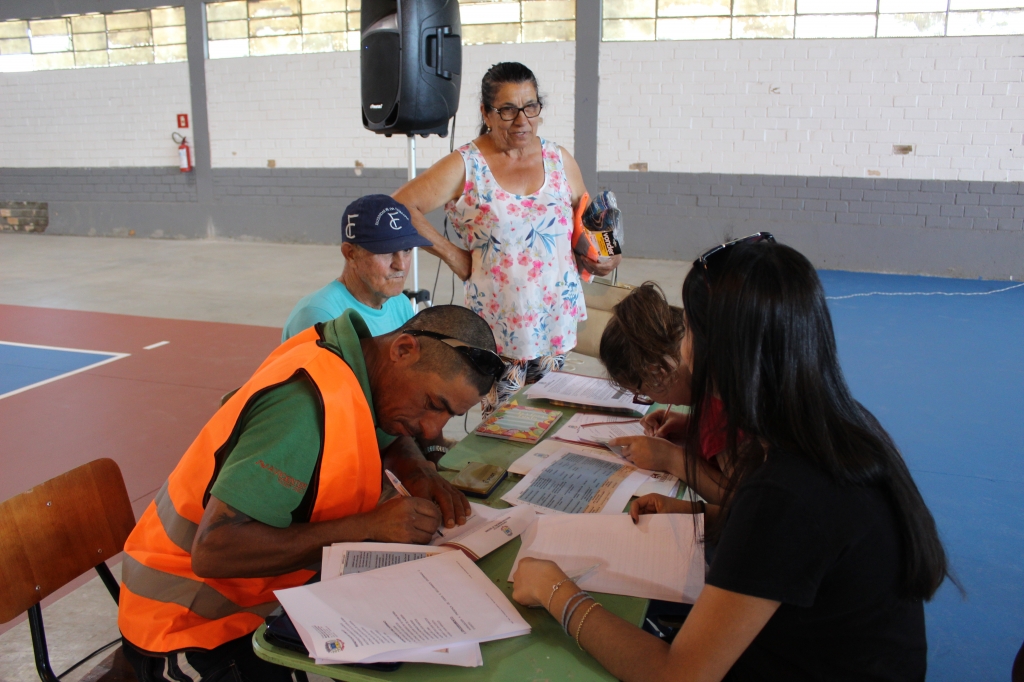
488, 128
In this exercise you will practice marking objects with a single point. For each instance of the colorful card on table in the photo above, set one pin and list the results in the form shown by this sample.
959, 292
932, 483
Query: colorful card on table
518, 423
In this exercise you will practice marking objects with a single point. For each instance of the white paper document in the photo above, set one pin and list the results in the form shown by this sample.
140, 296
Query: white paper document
575, 482
660, 482
421, 605
658, 558
581, 390
598, 429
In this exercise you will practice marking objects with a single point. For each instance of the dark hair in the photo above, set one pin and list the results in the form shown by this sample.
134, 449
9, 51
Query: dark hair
499, 74
771, 357
458, 323
640, 344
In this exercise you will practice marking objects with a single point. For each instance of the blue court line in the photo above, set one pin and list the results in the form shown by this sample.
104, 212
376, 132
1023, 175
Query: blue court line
945, 376
25, 366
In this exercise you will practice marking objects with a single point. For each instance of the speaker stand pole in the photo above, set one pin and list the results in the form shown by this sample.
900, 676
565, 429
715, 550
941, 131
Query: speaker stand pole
415, 251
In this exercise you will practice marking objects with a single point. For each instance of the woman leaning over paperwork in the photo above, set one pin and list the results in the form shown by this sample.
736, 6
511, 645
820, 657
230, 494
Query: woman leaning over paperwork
510, 196
824, 548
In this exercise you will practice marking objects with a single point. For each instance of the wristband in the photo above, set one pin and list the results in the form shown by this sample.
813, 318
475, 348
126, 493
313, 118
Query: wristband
568, 617
570, 600
553, 590
583, 620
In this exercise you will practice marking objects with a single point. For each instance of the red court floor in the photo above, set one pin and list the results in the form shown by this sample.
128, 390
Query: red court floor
142, 411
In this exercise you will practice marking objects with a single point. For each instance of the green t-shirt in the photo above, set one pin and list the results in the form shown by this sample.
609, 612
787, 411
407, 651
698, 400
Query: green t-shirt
270, 463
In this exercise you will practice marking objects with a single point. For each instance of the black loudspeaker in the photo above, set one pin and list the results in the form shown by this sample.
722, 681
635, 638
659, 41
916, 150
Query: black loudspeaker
410, 65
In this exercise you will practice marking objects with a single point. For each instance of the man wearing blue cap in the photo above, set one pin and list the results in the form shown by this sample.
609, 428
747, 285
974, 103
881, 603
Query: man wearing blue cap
377, 238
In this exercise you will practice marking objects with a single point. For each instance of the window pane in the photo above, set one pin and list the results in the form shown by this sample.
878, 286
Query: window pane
169, 35
133, 55
762, 27
909, 25
225, 30
835, 6
977, 24
985, 4
546, 10
276, 26
13, 29
222, 11
324, 23
170, 53
90, 41
227, 49
45, 62
45, 44
90, 23
168, 16
126, 20
273, 8
898, 6
842, 26
705, 28
628, 29
489, 12
276, 45
119, 39
49, 27
749, 7
693, 8
325, 42
88, 59
630, 9
15, 46
321, 6
490, 33
549, 31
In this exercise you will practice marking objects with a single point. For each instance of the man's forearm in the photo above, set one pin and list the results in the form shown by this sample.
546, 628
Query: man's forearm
230, 544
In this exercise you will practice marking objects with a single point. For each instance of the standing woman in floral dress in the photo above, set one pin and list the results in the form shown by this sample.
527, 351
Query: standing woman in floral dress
510, 196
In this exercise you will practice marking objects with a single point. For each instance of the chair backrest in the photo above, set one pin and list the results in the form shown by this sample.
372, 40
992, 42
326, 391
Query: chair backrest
57, 531
600, 298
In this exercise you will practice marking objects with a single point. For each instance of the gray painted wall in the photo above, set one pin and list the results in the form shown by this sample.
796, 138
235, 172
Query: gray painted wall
958, 229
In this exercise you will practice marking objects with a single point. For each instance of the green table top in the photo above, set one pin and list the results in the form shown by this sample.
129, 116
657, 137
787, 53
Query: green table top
545, 653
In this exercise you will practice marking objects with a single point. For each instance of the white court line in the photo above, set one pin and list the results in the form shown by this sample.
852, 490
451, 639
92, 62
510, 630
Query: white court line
155, 345
112, 358
924, 293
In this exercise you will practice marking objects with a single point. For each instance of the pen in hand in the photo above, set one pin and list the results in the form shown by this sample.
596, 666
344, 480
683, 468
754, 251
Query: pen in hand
401, 489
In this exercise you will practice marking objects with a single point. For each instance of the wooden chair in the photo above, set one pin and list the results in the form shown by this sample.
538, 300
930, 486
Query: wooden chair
54, 533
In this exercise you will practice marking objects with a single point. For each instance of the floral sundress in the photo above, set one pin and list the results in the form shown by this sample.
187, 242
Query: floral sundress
524, 281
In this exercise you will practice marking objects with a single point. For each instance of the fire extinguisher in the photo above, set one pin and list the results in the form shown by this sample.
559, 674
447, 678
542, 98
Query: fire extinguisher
184, 152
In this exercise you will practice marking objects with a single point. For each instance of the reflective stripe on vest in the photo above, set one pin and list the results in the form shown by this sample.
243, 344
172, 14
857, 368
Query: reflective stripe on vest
166, 607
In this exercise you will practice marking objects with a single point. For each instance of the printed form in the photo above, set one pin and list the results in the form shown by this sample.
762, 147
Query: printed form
582, 390
377, 615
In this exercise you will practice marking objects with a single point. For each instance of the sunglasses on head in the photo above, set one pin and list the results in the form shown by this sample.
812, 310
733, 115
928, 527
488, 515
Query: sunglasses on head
485, 361
713, 258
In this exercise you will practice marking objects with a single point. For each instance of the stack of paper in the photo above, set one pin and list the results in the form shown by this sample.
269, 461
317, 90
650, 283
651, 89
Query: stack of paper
577, 390
598, 429
658, 558
437, 609
660, 482
485, 530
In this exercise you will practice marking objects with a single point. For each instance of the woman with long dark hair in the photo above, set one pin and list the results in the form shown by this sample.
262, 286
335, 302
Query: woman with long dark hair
825, 549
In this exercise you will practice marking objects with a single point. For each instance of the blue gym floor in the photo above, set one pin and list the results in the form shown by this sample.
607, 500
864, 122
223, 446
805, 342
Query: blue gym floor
945, 376
24, 366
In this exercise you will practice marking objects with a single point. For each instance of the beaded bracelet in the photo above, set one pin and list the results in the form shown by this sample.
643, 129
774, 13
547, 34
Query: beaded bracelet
583, 620
571, 612
553, 590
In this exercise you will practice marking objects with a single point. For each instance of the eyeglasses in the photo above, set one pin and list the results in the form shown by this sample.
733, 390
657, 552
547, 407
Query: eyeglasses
511, 113
640, 399
485, 361
713, 258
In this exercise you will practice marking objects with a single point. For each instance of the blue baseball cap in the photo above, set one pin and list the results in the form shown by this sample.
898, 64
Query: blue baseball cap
380, 224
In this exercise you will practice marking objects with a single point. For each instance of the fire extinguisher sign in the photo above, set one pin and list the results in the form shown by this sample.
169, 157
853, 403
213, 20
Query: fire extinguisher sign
183, 120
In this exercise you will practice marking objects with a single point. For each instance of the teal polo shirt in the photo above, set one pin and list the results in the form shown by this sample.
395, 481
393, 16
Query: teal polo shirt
334, 299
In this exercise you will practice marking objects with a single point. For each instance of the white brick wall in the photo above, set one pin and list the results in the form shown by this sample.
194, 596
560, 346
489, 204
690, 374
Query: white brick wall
816, 107
92, 118
302, 111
